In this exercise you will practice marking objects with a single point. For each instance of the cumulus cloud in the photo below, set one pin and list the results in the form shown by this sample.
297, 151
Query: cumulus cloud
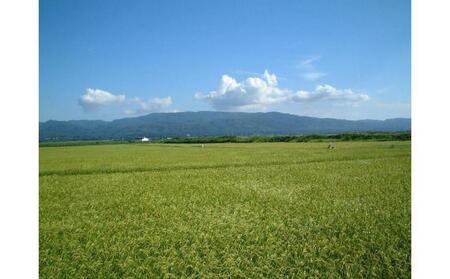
148, 106
328, 92
254, 93
95, 98
259, 93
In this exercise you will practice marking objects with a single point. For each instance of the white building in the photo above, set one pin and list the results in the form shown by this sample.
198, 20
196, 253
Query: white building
145, 139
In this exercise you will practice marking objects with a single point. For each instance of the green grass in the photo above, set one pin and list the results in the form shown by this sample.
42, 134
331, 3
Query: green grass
286, 210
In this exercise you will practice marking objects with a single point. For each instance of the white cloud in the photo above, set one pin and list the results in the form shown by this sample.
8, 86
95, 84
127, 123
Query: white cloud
95, 98
259, 93
308, 62
148, 106
254, 93
309, 69
270, 78
328, 92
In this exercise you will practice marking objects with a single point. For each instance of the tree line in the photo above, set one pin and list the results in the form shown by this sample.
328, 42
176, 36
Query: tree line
369, 136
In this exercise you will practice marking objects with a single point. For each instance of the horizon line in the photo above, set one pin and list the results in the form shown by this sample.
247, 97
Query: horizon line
212, 111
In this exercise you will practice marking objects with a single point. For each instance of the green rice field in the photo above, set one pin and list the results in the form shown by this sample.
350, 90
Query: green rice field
257, 210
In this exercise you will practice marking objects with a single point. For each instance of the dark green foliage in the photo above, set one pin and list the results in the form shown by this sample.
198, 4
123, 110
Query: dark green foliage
374, 136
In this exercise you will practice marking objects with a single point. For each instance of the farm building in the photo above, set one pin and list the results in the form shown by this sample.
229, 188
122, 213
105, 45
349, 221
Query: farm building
145, 139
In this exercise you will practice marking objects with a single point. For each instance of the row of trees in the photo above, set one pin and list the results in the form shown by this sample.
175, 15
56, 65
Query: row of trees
374, 136
402, 136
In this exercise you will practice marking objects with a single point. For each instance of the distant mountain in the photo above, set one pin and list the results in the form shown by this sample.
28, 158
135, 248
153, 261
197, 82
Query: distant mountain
208, 123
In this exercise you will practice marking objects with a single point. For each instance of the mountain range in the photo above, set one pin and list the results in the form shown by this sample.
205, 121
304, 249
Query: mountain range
210, 123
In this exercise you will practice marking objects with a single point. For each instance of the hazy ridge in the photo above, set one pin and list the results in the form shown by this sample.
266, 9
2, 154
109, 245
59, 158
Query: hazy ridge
208, 123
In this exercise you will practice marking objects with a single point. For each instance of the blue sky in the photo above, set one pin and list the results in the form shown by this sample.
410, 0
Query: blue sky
114, 59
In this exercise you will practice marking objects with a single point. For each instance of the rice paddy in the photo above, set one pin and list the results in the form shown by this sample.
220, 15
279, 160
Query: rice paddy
258, 210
